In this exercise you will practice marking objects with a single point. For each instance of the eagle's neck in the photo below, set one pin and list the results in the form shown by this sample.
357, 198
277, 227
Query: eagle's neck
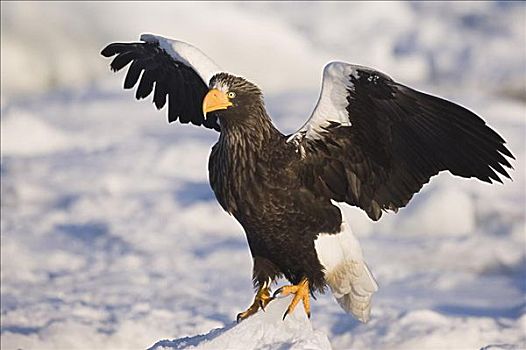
251, 134
241, 158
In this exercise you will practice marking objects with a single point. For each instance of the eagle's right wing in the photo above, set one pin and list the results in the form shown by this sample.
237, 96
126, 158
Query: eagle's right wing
373, 142
176, 71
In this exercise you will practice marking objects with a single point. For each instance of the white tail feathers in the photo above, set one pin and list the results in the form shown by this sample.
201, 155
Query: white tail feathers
346, 273
355, 293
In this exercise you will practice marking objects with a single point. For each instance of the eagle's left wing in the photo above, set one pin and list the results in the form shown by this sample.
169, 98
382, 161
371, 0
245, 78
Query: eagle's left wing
176, 72
373, 143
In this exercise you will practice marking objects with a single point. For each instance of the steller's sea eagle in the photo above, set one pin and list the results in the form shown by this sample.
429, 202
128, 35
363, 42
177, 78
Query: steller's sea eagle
370, 142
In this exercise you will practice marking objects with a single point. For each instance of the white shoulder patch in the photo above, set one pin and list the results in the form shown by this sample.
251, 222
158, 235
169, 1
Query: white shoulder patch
332, 103
187, 54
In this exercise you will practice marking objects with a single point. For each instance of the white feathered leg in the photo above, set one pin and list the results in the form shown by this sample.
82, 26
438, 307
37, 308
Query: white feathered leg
351, 282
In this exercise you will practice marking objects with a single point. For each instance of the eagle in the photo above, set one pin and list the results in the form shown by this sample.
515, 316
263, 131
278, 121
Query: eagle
370, 142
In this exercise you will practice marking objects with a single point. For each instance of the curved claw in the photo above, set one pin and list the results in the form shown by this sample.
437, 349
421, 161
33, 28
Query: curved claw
301, 293
285, 314
248, 312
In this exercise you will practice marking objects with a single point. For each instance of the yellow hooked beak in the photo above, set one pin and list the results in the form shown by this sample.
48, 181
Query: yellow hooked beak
215, 100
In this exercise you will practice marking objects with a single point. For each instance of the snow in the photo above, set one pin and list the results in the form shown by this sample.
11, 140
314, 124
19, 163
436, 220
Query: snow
265, 330
44, 139
111, 237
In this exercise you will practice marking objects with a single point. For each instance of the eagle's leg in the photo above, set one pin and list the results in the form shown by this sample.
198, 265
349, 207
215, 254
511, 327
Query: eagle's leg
261, 300
301, 293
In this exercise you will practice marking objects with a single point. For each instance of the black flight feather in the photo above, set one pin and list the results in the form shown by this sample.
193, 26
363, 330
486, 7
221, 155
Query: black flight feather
165, 76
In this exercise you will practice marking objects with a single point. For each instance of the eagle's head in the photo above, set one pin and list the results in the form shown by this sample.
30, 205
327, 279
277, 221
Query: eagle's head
232, 98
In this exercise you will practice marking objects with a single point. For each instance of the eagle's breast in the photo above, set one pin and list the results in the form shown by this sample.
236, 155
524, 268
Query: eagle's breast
245, 172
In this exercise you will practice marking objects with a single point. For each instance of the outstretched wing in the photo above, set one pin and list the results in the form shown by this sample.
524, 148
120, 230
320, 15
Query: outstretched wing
177, 72
373, 143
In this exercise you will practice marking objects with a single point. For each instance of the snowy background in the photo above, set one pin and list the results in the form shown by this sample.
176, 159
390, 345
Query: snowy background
111, 237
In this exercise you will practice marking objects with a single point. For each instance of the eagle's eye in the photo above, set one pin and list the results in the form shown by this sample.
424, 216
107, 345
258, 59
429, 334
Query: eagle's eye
231, 94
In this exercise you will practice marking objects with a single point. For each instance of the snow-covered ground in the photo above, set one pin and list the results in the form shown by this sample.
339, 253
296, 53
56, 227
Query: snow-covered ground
112, 239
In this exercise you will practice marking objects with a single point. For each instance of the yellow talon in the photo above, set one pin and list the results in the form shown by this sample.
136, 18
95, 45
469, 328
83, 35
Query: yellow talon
301, 292
261, 300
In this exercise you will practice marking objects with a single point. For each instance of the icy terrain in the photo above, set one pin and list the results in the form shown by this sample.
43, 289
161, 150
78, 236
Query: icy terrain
265, 330
111, 237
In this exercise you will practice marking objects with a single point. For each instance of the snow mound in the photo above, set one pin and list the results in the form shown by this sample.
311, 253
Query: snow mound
501, 347
264, 330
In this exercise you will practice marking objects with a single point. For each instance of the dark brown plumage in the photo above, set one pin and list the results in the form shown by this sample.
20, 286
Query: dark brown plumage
254, 174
